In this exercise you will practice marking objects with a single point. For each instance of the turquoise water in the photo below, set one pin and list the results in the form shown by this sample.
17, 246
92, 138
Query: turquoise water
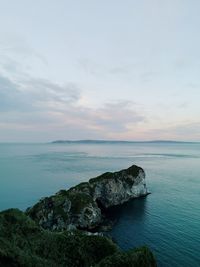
168, 220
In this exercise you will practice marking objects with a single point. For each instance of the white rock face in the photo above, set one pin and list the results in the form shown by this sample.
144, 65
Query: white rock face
139, 188
116, 188
82, 205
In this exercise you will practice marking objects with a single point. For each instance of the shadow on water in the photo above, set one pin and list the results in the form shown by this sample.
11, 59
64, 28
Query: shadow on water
133, 210
128, 222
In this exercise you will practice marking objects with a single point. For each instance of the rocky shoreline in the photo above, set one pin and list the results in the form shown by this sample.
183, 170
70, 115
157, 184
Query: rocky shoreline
83, 206
56, 230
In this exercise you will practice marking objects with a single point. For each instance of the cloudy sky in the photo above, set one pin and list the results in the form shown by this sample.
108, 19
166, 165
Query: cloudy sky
109, 69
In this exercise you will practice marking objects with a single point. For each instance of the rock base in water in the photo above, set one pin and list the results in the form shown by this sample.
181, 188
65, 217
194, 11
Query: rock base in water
81, 206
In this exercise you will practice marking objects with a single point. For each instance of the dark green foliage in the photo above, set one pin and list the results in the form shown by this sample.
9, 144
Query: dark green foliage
133, 170
79, 201
81, 187
106, 175
24, 244
141, 257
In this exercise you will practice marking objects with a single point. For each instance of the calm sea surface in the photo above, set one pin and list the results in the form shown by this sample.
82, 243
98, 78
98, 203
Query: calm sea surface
168, 220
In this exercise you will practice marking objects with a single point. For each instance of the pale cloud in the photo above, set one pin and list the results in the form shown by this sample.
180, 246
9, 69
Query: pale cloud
148, 76
40, 105
70, 77
34, 94
182, 131
11, 98
93, 68
14, 45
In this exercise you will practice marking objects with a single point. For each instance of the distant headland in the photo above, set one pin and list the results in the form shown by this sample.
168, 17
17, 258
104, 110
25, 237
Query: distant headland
93, 141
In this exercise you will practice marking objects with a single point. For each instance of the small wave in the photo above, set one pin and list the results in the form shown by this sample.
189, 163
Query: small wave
63, 156
57, 156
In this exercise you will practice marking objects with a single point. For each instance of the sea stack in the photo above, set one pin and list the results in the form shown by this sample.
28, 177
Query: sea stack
81, 206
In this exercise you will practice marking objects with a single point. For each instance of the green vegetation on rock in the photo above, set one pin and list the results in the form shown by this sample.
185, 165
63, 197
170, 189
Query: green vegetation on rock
24, 244
133, 170
79, 201
83, 205
134, 258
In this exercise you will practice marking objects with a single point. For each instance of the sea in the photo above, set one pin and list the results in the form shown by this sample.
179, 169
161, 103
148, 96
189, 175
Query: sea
167, 220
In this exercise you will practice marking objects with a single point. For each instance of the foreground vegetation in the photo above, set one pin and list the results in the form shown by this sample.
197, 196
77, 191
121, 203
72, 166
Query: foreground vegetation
24, 244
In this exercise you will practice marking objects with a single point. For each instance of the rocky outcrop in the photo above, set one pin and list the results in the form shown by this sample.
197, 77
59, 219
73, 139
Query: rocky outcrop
81, 206
66, 210
112, 189
24, 243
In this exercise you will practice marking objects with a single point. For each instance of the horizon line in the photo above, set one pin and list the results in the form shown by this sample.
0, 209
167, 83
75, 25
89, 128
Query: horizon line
96, 141
122, 141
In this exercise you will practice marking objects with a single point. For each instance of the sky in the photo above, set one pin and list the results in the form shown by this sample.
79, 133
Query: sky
109, 69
